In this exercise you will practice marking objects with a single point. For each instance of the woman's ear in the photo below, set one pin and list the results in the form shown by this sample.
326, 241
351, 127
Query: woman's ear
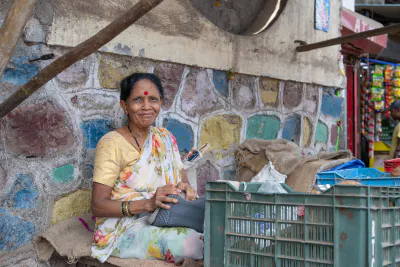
123, 106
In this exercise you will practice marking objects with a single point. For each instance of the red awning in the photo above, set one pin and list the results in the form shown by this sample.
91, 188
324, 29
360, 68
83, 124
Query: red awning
353, 22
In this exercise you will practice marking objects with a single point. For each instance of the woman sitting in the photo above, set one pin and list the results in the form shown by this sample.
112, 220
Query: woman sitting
136, 168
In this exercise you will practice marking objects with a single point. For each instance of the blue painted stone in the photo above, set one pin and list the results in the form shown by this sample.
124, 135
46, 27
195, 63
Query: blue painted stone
94, 130
221, 82
63, 174
14, 231
263, 127
20, 72
292, 129
23, 193
182, 132
321, 133
331, 104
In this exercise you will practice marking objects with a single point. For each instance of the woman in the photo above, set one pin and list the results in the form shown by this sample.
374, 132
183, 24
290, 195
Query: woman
136, 168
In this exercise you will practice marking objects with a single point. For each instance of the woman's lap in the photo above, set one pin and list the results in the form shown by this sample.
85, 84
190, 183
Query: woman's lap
145, 241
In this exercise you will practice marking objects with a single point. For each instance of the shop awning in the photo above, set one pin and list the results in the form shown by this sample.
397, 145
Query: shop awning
353, 22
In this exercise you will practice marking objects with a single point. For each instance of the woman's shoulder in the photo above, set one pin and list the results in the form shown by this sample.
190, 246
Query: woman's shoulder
113, 135
112, 138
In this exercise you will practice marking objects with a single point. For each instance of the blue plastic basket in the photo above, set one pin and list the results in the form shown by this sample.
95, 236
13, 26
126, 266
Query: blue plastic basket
364, 176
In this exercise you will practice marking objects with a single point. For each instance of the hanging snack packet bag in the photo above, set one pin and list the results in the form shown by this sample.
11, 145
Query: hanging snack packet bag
379, 70
377, 80
396, 72
377, 94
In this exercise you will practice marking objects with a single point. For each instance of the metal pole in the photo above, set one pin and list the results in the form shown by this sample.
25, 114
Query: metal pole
349, 38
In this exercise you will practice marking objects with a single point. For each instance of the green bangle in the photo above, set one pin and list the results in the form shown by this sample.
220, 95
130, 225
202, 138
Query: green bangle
123, 208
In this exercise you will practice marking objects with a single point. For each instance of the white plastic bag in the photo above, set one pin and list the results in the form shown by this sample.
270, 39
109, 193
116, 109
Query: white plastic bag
268, 173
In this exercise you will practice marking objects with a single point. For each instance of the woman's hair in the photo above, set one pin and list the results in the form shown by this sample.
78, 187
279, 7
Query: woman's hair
129, 82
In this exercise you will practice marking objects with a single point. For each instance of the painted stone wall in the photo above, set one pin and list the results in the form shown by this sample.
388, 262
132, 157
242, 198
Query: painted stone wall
48, 143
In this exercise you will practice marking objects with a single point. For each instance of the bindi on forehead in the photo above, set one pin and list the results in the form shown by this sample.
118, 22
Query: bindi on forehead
146, 93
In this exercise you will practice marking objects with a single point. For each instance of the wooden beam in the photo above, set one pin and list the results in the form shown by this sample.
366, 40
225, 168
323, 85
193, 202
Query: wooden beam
13, 25
349, 38
78, 53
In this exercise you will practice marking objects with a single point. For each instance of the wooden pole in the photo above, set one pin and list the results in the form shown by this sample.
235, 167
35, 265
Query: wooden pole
13, 25
349, 38
78, 53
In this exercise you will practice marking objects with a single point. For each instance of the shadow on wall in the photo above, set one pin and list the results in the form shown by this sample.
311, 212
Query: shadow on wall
241, 17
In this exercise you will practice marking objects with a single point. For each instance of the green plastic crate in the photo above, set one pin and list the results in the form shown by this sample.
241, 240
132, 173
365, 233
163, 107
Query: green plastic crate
347, 226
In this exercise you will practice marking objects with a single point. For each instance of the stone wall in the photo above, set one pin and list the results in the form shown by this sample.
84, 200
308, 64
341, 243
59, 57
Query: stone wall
48, 143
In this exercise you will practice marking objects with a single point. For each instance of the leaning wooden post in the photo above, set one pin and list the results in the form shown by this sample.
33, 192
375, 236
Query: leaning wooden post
77, 53
13, 25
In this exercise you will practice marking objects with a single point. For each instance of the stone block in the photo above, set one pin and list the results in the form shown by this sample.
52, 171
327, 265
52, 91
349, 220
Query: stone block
269, 91
19, 70
44, 11
307, 132
292, 129
171, 76
334, 134
23, 193
73, 205
244, 92
221, 131
311, 100
198, 98
221, 82
77, 74
93, 130
182, 132
63, 174
321, 134
113, 68
292, 94
331, 104
263, 127
34, 32
94, 103
14, 231
39, 130
206, 172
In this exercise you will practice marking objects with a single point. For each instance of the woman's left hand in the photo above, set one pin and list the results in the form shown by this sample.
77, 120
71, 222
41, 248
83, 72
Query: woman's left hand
191, 194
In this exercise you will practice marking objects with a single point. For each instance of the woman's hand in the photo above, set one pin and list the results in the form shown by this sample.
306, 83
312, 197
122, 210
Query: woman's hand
161, 196
191, 194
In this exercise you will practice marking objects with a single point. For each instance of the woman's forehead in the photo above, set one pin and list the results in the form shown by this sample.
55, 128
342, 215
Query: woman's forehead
143, 86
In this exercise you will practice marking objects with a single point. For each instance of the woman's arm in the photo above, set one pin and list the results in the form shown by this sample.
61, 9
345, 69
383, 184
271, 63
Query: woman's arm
103, 206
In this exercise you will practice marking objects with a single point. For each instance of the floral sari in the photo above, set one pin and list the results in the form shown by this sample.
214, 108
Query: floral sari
132, 237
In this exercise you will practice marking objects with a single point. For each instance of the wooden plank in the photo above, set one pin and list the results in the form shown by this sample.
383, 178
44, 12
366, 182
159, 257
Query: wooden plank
349, 38
78, 53
13, 25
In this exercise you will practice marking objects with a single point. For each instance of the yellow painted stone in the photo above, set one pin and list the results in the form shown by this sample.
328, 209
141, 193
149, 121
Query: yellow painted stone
269, 90
113, 68
307, 128
221, 131
73, 205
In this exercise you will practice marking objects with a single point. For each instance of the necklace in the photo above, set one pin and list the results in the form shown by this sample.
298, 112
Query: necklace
129, 128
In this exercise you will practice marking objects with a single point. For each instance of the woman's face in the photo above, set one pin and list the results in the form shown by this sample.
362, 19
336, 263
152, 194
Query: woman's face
143, 104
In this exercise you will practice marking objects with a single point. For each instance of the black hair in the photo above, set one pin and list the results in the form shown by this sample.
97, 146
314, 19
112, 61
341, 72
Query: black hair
129, 82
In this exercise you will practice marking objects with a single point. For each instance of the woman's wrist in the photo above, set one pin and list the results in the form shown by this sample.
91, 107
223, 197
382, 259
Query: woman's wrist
148, 206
